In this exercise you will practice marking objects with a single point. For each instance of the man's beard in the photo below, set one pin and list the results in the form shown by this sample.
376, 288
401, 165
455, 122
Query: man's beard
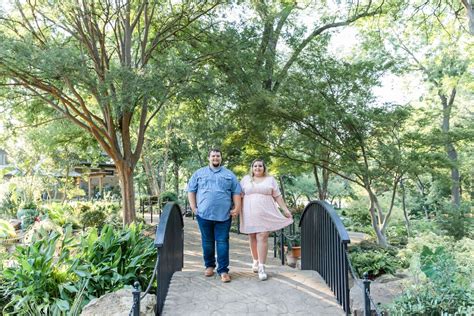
216, 165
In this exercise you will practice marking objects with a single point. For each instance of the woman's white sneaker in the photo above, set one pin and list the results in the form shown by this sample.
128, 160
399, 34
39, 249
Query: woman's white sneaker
261, 273
255, 266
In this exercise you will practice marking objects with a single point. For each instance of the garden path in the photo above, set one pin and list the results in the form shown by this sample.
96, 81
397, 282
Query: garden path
287, 291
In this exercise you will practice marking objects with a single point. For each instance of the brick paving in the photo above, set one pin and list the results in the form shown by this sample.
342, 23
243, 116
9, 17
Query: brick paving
287, 291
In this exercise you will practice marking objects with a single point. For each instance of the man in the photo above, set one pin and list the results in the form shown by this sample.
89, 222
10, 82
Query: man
214, 195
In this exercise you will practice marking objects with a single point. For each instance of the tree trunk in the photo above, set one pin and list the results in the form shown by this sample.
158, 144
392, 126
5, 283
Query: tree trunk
165, 159
66, 179
376, 224
421, 188
449, 146
125, 175
152, 180
405, 215
282, 187
469, 6
321, 186
176, 176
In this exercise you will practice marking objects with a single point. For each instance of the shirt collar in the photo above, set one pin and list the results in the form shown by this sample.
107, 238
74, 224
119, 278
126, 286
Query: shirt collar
215, 170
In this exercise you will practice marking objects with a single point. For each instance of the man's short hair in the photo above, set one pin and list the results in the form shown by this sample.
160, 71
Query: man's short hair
217, 150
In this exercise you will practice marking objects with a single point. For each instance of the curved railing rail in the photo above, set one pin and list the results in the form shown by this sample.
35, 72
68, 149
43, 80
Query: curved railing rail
169, 241
324, 241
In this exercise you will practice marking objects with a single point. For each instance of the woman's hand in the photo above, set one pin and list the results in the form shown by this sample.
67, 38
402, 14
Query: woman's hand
234, 212
288, 214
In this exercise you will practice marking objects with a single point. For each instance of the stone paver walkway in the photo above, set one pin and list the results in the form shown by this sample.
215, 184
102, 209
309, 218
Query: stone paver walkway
286, 292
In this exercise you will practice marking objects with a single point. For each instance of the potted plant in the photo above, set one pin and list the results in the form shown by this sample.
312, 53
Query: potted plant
294, 245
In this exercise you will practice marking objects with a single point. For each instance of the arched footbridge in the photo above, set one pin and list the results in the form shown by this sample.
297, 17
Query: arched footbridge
321, 287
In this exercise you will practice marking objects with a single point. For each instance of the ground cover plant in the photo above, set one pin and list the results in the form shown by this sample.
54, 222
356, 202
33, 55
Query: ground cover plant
69, 270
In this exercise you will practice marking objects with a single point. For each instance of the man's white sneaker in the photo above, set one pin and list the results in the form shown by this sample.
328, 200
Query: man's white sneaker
261, 273
255, 266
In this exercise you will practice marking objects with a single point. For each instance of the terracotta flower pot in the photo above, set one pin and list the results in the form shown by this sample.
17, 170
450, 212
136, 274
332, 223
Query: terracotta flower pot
296, 251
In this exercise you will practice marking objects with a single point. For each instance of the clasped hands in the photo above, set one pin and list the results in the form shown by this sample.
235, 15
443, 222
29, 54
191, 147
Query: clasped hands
234, 212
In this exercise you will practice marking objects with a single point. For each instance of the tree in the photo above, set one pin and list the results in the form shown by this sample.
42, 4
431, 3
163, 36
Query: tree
328, 104
108, 66
469, 6
435, 46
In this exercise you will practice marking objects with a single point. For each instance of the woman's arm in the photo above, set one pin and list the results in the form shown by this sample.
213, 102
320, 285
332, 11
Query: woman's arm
281, 203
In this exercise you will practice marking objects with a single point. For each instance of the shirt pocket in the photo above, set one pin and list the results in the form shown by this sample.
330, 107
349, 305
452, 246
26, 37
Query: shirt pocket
204, 183
225, 183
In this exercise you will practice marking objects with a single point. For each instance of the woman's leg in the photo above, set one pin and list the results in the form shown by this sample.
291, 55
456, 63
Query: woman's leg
253, 246
262, 247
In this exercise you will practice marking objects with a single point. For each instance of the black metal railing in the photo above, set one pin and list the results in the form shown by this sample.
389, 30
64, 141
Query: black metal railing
370, 307
324, 241
148, 202
169, 241
282, 237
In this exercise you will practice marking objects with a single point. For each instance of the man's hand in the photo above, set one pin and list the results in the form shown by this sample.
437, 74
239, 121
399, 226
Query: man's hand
234, 212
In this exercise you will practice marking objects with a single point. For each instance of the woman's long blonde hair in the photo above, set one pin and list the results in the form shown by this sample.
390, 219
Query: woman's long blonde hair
265, 173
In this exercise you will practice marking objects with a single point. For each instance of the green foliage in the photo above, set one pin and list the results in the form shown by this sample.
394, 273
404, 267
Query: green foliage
456, 221
357, 218
97, 214
397, 234
374, 259
446, 289
68, 272
42, 281
27, 216
116, 258
293, 240
93, 218
62, 214
168, 196
6, 230
8, 204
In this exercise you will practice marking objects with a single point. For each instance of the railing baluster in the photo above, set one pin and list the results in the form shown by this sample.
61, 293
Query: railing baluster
324, 243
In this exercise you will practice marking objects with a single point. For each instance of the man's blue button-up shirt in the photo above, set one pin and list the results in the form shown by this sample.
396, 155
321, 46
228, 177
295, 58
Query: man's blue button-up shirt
214, 190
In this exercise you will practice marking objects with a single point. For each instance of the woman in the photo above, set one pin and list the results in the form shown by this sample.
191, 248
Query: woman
260, 215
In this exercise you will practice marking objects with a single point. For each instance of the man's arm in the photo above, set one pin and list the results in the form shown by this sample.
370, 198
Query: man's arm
192, 201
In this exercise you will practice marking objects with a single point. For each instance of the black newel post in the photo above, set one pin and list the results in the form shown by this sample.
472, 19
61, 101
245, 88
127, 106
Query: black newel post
367, 311
282, 247
136, 298
274, 245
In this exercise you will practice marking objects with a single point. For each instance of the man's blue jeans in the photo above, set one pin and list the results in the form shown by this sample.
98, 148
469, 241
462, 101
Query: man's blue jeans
215, 233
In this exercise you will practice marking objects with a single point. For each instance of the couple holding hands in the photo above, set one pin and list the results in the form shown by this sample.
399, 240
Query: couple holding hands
215, 195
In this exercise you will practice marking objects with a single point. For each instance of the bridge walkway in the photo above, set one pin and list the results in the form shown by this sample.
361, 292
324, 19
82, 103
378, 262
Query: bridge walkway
287, 291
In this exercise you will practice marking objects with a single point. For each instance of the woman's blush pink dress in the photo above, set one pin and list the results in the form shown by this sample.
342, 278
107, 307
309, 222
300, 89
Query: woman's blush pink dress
259, 211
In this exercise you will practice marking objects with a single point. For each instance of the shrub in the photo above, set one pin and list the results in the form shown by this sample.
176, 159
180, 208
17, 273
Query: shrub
442, 288
463, 249
55, 281
27, 214
8, 204
68, 273
455, 221
357, 219
39, 229
117, 258
397, 234
374, 259
62, 214
97, 214
93, 218
168, 196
